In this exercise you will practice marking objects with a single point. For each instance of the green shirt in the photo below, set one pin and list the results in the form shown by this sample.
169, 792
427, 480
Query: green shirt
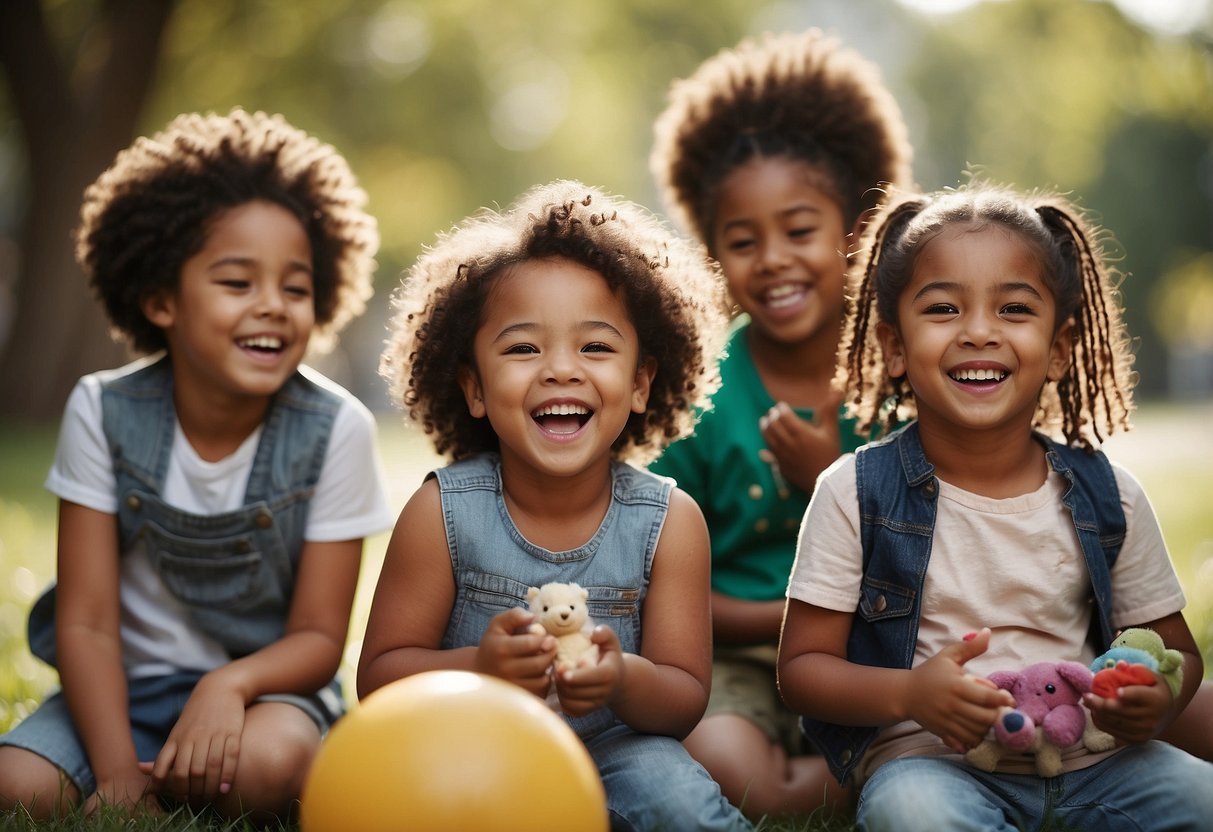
753, 514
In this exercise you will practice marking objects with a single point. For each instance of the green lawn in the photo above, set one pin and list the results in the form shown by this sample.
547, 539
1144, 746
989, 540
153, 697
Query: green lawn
1169, 451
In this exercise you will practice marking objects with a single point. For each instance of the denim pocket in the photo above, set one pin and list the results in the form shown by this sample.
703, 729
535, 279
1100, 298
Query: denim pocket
216, 574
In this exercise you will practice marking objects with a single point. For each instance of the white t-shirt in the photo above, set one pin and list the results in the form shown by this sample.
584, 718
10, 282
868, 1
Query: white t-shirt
1013, 565
158, 635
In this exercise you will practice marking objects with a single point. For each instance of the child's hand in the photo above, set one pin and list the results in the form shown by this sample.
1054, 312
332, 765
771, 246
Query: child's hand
1136, 715
198, 760
509, 652
949, 702
585, 689
128, 790
801, 449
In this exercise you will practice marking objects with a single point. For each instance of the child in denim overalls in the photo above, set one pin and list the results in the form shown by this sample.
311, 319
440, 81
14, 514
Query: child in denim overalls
772, 153
214, 495
541, 347
989, 318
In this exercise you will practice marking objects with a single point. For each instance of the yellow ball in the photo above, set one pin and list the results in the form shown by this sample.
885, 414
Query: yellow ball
452, 751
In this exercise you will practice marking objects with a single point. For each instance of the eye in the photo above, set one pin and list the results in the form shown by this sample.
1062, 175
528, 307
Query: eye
1017, 309
739, 244
234, 283
522, 349
801, 233
940, 309
597, 346
545, 607
1050, 688
299, 291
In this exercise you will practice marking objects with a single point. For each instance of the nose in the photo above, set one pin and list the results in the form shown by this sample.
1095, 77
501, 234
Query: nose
774, 256
271, 299
563, 366
981, 329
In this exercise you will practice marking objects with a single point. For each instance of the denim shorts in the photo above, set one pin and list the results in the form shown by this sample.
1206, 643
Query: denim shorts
155, 704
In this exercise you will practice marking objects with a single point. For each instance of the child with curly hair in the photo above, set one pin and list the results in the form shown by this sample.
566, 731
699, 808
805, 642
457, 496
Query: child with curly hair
989, 318
772, 153
214, 495
542, 349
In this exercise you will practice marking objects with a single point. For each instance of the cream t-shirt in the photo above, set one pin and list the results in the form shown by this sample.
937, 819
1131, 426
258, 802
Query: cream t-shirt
1013, 565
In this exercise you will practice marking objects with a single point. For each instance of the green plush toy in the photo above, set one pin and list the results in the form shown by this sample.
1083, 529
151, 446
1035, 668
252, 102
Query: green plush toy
1170, 662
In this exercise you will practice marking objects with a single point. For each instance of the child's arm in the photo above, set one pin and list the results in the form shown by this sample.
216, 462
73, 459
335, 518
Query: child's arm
412, 606
664, 688
207, 735
816, 679
89, 648
1141, 712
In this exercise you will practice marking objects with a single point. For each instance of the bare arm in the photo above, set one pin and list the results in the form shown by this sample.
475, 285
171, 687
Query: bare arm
89, 650
199, 758
816, 679
412, 605
664, 689
736, 621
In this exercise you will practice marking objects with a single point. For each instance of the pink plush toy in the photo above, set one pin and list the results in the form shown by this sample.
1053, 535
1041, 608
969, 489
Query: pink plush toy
1047, 716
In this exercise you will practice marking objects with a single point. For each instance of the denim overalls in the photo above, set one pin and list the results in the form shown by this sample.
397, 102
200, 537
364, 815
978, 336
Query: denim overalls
235, 572
651, 782
897, 500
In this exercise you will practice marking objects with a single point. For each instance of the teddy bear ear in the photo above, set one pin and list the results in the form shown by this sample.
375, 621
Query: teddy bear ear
1077, 674
1004, 679
531, 593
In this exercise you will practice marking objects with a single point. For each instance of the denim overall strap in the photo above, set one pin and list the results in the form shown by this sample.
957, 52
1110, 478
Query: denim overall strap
233, 571
494, 564
898, 496
1094, 502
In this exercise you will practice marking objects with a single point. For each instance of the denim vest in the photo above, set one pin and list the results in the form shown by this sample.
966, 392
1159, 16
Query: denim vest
898, 495
494, 564
234, 572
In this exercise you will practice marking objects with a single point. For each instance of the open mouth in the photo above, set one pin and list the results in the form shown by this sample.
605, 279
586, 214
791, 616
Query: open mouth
562, 418
983, 376
785, 295
261, 343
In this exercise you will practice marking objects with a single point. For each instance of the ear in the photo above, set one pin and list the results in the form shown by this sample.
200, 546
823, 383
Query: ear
159, 308
892, 349
1062, 351
469, 380
642, 384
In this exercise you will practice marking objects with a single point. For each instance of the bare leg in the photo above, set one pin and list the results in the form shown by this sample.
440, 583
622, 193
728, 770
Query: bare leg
758, 776
276, 751
31, 781
1193, 730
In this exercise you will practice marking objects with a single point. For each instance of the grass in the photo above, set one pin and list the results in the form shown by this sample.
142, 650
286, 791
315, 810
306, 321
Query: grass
1169, 452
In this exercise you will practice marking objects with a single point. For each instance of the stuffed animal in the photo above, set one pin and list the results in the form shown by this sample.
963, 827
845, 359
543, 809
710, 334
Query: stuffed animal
1132, 659
1047, 716
562, 610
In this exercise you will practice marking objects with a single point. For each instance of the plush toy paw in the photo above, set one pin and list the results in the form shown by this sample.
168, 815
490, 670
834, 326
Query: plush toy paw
1015, 730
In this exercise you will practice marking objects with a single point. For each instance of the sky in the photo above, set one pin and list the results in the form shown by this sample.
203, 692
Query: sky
1163, 16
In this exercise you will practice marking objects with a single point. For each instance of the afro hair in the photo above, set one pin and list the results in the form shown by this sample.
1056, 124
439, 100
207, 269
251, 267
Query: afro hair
802, 96
152, 209
673, 293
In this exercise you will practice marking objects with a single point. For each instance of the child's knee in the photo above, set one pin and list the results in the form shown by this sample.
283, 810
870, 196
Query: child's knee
33, 783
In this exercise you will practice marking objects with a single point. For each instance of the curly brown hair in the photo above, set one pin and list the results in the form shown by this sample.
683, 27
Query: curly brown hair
152, 209
673, 294
801, 96
1093, 400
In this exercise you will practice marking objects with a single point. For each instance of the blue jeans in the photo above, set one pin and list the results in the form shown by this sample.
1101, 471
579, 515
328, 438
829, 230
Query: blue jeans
652, 783
1153, 786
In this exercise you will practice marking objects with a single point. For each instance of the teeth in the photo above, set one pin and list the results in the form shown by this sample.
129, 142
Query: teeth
562, 410
783, 295
265, 342
979, 375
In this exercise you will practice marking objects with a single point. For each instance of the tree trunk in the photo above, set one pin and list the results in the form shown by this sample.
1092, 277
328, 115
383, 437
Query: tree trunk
72, 131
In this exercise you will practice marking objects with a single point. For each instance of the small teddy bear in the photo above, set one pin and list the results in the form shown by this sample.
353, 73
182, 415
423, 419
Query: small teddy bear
1047, 716
562, 610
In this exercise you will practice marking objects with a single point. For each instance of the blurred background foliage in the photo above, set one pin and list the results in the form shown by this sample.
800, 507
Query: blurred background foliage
443, 106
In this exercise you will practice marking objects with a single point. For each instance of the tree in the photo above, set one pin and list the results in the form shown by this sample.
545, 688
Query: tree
75, 114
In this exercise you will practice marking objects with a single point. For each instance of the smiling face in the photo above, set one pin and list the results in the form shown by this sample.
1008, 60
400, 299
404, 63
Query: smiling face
977, 335
239, 320
558, 368
781, 242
